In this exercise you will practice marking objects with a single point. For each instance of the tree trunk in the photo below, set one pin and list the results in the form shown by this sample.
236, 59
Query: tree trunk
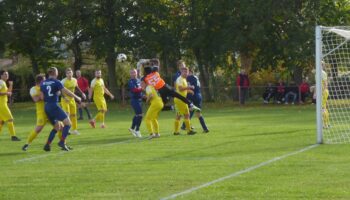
35, 66
203, 76
78, 58
246, 61
112, 79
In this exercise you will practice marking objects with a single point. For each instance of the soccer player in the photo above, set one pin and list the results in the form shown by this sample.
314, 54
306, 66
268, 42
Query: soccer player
5, 114
152, 77
156, 105
136, 99
98, 89
182, 108
196, 98
325, 94
68, 103
51, 88
41, 117
83, 85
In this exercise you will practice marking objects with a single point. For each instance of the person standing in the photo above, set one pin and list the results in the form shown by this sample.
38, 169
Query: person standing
5, 114
83, 84
98, 90
242, 83
136, 99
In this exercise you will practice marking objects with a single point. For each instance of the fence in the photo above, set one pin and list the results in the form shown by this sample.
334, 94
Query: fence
218, 94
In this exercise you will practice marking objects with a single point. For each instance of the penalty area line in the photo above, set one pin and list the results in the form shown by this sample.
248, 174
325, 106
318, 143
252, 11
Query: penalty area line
235, 174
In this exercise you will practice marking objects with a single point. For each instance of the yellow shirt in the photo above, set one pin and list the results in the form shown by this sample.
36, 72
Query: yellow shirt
34, 92
70, 85
183, 83
3, 89
155, 96
97, 86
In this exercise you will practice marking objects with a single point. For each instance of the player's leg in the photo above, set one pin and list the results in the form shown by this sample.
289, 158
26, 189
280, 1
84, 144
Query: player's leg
198, 103
80, 110
8, 118
155, 123
40, 123
73, 117
148, 119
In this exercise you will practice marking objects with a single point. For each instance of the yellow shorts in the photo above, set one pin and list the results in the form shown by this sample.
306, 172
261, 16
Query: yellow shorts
181, 108
5, 113
101, 104
153, 111
41, 119
69, 107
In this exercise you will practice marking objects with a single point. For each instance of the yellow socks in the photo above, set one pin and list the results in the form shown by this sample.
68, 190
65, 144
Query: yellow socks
177, 125
74, 122
155, 126
11, 128
187, 124
32, 136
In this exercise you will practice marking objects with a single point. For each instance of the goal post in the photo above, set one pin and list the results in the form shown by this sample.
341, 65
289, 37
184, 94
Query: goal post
332, 60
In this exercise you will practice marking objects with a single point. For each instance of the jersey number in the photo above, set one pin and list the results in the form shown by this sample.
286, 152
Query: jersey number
49, 91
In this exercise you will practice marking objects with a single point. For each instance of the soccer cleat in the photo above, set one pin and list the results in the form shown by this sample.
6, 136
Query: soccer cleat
151, 136
194, 108
25, 147
138, 134
15, 138
184, 128
47, 147
75, 132
103, 126
191, 132
157, 135
206, 131
176, 133
132, 131
92, 123
63, 146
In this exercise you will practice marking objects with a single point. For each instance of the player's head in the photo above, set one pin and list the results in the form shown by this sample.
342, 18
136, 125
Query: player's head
147, 68
133, 73
180, 64
53, 72
78, 73
155, 63
39, 78
69, 73
184, 72
143, 85
4, 75
98, 73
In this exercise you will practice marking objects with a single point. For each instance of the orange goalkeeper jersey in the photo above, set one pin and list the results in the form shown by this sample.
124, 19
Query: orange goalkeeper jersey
155, 80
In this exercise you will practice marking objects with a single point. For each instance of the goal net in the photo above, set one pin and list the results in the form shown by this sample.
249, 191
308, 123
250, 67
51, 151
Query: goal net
333, 80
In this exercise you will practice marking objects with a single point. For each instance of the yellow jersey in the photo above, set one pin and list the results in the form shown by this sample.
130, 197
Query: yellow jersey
3, 89
40, 106
70, 85
183, 83
97, 86
150, 90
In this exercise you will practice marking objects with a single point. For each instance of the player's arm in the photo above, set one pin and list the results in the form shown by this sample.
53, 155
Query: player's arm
81, 92
8, 92
71, 94
108, 92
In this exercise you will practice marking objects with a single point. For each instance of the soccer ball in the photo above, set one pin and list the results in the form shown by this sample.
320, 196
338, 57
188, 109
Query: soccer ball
121, 57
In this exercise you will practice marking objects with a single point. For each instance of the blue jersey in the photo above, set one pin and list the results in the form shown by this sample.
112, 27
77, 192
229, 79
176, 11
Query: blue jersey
177, 75
194, 81
50, 88
135, 88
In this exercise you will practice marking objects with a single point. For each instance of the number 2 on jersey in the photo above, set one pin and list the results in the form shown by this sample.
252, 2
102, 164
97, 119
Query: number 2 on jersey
49, 91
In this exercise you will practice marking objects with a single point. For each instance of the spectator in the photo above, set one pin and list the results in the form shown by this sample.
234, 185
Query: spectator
304, 89
242, 83
291, 92
281, 89
269, 93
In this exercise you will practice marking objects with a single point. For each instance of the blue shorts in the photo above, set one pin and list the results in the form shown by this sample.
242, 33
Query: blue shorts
196, 100
54, 113
136, 105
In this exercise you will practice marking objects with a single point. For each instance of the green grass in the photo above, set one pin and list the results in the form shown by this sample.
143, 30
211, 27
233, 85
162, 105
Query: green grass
110, 164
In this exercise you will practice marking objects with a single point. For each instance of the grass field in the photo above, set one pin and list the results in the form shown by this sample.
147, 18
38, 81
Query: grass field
258, 151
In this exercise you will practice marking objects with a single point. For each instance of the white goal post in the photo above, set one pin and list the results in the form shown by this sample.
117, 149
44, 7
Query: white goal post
333, 84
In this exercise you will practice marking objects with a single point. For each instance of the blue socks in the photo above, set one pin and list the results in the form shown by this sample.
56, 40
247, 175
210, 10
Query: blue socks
51, 136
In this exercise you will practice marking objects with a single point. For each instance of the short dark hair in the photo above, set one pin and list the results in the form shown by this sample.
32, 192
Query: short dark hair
2, 72
155, 61
39, 78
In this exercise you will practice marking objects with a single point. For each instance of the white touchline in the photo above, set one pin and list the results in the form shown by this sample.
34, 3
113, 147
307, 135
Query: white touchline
249, 169
62, 152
